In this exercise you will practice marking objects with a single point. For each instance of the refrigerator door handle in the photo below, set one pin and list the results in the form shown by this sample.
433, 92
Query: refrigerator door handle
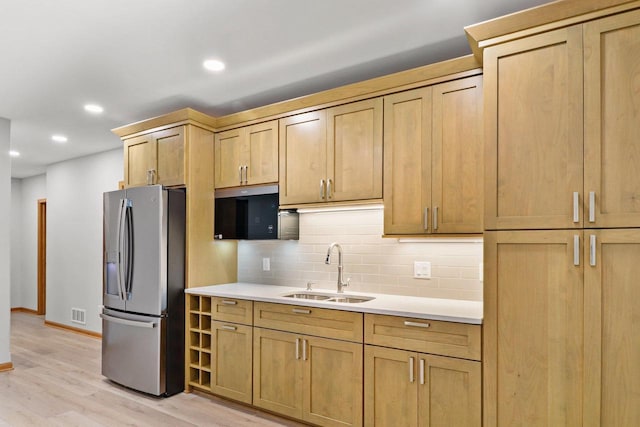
130, 243
120, 261
127, 322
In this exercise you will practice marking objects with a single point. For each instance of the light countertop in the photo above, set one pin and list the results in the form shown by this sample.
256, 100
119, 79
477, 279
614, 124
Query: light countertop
450, 310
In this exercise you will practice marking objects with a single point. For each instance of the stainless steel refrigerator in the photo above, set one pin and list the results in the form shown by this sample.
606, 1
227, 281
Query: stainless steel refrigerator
143, 289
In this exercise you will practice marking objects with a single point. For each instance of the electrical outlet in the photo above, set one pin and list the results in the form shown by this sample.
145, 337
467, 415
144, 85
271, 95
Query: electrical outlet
422, 270
266, 264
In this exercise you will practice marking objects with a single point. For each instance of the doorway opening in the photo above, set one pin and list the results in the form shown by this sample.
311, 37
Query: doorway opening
42, 256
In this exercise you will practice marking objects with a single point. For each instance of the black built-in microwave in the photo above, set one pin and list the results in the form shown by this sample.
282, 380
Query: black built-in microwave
252, 213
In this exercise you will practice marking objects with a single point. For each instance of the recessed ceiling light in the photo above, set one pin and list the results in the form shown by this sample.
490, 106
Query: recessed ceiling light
93, 108
213, 65
59, 138
14, 153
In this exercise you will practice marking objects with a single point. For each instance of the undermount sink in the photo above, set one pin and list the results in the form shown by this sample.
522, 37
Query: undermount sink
348, 299
309, 296
351, 300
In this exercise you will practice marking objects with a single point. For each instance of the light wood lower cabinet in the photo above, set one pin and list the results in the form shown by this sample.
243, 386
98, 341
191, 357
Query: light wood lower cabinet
612, 327
231, 355
416, 389
315, 379
220, 352
533, 328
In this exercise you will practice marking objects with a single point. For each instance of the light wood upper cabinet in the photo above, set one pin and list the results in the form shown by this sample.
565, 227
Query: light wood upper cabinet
407, 161
303, 157
247, 155
156, 158
354, 156
533, 328
417, 389
537, 91
612, 121
433, 159
457, 157
533, 131
332, 155
612, 328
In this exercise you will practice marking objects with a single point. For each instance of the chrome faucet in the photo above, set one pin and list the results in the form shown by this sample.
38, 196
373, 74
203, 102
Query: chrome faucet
327, 261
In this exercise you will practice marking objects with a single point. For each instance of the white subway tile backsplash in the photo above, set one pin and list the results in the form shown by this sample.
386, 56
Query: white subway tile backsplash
374, 264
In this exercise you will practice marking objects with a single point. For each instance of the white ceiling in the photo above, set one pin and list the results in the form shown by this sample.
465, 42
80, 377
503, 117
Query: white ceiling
143, 58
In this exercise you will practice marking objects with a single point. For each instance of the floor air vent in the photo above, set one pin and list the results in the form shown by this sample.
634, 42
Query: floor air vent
78, 315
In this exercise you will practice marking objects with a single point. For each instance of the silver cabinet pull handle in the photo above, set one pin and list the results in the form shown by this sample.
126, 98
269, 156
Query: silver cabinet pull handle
328, 189
301, 311
576, 250
426, 218
416, 324
421, 371
576, 206
435, 218
246, 174
592, 250
229, 327
322, 189
592, 206
229, 302
304, 349
240, 173
297, 348
411, 376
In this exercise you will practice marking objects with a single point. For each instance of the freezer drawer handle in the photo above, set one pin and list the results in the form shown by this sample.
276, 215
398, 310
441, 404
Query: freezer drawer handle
127, 322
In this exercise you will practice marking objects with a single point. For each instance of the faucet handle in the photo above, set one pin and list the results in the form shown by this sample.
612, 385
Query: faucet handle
347, 282
309, 285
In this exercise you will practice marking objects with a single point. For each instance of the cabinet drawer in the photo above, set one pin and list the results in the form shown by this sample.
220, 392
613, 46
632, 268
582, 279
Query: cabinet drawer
322, 322
427, 336
232, 310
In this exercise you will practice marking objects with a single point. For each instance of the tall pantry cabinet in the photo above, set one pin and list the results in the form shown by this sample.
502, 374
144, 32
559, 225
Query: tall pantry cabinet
562, 306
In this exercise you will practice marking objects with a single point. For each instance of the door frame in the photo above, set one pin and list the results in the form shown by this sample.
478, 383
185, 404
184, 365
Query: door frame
42, 256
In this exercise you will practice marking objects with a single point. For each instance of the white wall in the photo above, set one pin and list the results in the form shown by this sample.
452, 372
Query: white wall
375, 264
16, 242
74, 234
5, 194
33, 189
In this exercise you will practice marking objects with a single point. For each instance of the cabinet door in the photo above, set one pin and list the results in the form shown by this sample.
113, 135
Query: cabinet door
449, 392
533, 131
391, 392
262, 153
533, 328
354, 157
612, 328
228, 148
612, 121
277, 372
457, 163
231, 361
332, 382
407, 162
139, 159
303, 158
170, 156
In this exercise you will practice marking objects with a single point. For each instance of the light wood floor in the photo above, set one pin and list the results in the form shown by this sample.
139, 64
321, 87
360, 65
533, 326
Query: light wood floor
57, 382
